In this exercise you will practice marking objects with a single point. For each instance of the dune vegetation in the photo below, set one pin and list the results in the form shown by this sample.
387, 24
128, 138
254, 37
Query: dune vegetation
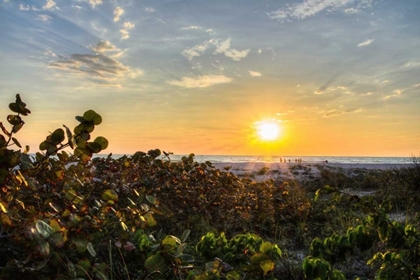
79, 216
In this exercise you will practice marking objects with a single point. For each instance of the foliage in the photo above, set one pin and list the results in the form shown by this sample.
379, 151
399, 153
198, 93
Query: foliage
394, 251
76, 216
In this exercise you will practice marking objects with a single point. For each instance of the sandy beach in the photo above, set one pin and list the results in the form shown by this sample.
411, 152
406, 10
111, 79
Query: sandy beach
292, 170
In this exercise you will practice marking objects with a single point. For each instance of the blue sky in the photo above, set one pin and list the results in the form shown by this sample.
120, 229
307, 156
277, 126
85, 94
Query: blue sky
342, 77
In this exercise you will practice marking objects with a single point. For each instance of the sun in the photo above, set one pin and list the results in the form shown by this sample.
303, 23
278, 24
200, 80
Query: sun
268, 130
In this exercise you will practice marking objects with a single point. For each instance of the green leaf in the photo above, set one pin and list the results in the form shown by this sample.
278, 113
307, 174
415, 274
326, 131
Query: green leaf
2, 141
16, 142
80, 119
102, 141
155, 263
317, 193
185, 235
110, 195
94, 147
90, 249
2, 207
265, 247
91, 115
43, 229
45, 145
151, 199
69, 135
57, 136
17, 127
14, 119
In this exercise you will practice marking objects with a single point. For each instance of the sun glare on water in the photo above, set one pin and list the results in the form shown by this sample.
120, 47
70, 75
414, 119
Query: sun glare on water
268, 130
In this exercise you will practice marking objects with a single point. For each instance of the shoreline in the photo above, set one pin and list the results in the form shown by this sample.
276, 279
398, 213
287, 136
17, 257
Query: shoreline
268, 170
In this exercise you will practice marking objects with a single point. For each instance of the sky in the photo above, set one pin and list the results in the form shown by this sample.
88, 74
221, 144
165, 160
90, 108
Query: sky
340, 77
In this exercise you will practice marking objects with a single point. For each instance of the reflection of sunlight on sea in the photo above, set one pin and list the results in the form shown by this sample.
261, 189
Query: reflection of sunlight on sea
292, 159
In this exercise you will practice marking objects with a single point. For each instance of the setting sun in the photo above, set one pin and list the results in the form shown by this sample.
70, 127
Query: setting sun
268, 130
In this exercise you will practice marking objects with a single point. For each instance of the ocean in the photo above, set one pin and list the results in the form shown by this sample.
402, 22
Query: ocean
304, 159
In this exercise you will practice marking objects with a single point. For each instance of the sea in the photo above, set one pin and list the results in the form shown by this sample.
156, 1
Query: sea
303, 159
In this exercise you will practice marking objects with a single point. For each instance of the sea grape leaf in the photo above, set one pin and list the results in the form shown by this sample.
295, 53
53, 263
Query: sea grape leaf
17, 127
57, 136
2, 207
265, 247
70, 140
102, 141
185, 235
151, 199
16, 142
43, 229
91, 115
14, 119
5, 220
90, 249
80, 119
82, 267
94, 147
2, 141
44, 145
43, 248
58, 239
110, 195
155, 263
151, 222
80, 243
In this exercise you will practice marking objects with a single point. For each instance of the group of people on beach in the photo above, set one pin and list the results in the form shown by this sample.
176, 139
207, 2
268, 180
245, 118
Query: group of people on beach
297, 160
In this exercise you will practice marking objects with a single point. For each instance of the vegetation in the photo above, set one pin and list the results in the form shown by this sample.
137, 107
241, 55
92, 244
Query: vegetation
75, 216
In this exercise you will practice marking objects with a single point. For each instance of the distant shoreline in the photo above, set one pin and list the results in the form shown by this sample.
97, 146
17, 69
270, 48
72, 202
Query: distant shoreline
269, 170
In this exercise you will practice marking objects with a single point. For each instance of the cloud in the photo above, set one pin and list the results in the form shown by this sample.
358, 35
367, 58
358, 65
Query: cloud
192, 27
254, 74
201, 81
310, 8
397, 93
196, 51
50, 5
104, 46
150, 10
118, 12
43, 17
93, 3
127, 26
77, 7
339, 111
222, 47
24, 8
366, 43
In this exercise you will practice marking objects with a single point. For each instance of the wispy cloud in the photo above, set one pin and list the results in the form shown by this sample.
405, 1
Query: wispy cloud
191, 27
43, 17
366, 43
24, 8
201, 81
50, 5
312, 7
150, 10
93, 65
118, 12
254, 74
222, 47
396, 93
196, 51
124, 31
